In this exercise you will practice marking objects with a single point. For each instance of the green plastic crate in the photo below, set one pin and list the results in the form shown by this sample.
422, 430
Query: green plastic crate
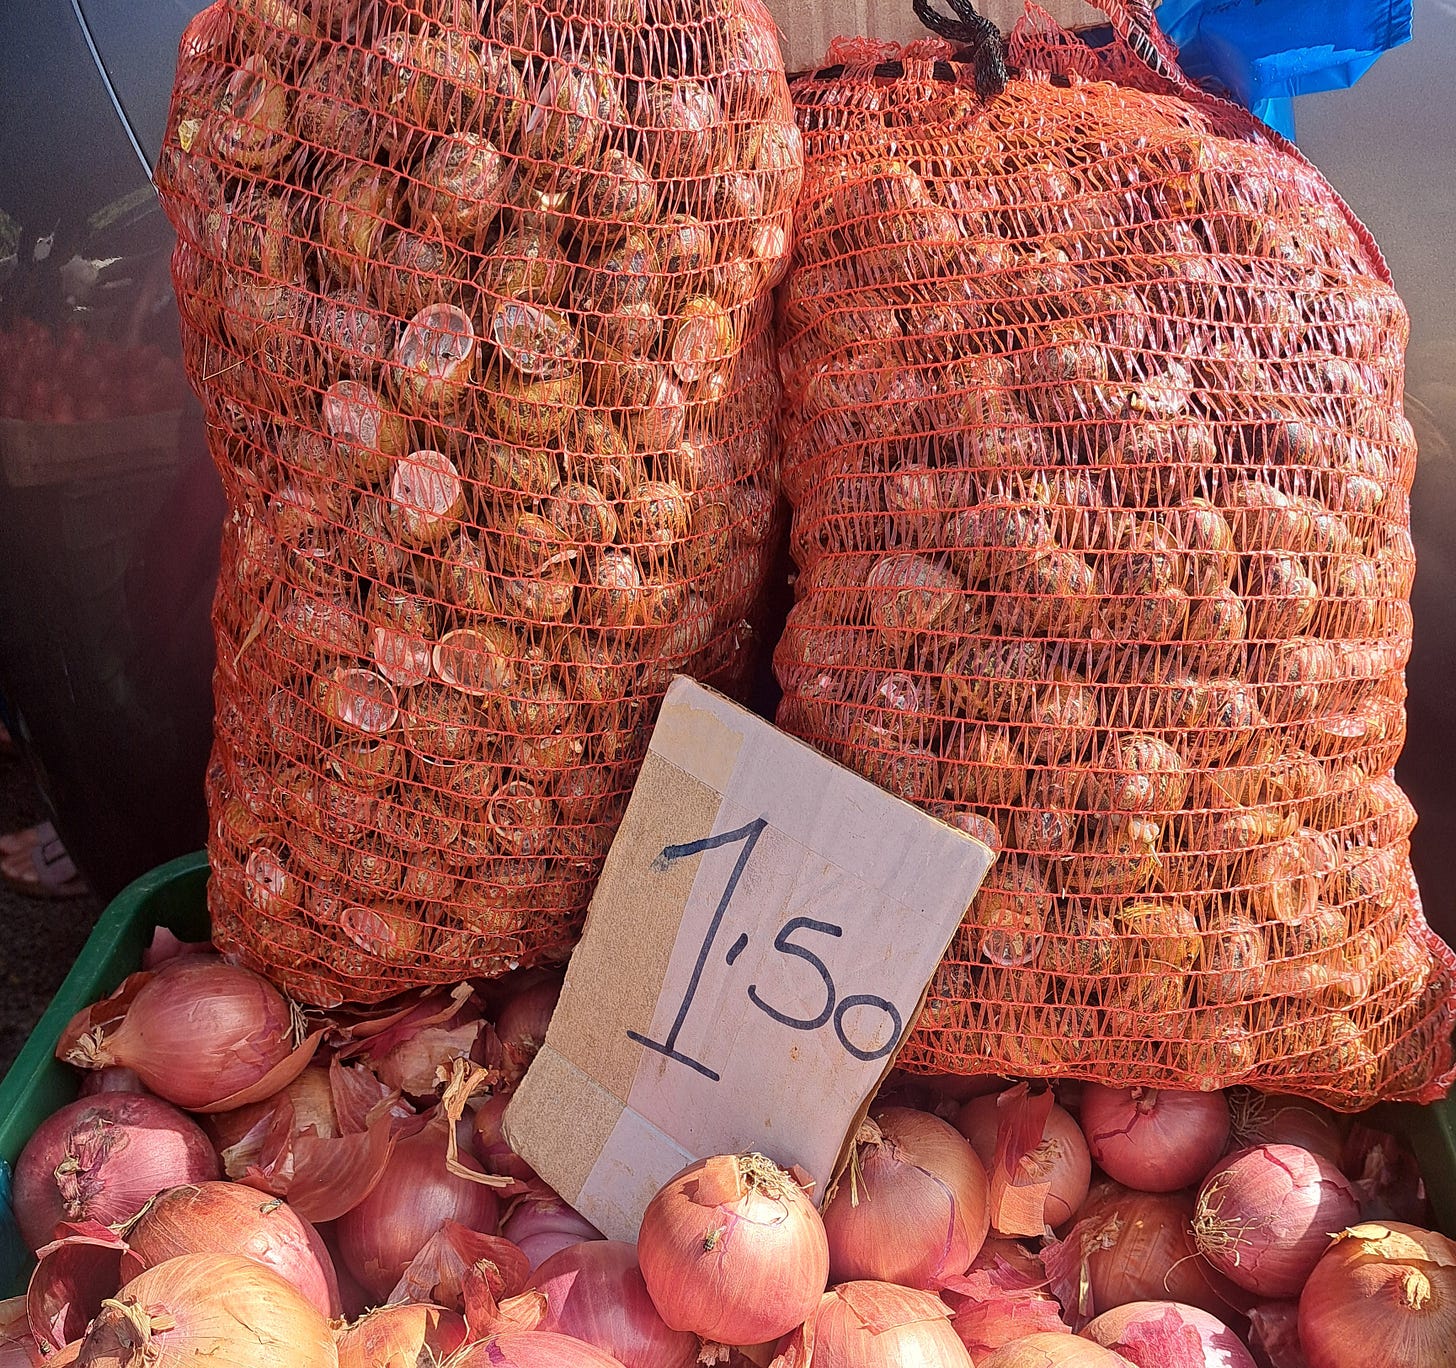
173, 896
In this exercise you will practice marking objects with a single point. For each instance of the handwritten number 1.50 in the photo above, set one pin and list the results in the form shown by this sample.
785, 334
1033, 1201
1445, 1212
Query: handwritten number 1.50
833, 1010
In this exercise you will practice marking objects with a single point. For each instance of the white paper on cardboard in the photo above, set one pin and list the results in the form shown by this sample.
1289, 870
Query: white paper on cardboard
758, 946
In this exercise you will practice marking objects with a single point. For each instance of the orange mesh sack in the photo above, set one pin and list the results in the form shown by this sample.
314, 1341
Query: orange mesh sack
1100, 478
476, 294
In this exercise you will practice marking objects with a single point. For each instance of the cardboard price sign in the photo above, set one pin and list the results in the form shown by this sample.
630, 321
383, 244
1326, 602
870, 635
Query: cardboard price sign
757, 948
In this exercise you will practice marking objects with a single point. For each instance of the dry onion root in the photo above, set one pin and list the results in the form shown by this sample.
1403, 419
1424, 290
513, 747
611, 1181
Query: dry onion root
1104, 484
477, 303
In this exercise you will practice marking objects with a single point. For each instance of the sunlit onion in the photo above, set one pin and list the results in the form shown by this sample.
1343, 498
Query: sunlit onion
878, 1325
732, 1249
229, 1218
1384, 1294
1265, 1215
219, 1309
912, 1209
1151, 1140
409, 1334
1051, 1349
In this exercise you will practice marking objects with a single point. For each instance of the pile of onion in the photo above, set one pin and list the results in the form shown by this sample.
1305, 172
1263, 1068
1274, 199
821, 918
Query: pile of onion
203, 1034
1265, 1215
219, 1309
1385, 1294
1154, 1141
102, 1159
732, 1250
911, 1208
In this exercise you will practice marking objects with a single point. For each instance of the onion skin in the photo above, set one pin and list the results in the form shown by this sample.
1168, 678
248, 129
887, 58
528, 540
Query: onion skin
200, 1033
1048, 1349
405, 1334
914, 1209
1151, 1140
732, 1249
594, 1292
1204, 1339
1384, 1293
1265, 1215
409, 1204
228, 1218
73, 1277
1264, 1119
1059, 1159
117, 1151
533, 1349
219, 1309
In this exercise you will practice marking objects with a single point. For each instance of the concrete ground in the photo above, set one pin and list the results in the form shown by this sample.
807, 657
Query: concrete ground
39, 938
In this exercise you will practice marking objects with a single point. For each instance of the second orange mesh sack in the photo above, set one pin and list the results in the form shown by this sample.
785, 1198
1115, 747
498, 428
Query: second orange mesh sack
476, 297
1100, 478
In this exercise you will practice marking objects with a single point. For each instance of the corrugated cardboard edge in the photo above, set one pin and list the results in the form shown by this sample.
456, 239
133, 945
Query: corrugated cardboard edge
601, 1113
808, 26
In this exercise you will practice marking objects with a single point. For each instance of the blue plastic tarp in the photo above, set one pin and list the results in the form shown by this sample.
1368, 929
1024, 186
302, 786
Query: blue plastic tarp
1265, 52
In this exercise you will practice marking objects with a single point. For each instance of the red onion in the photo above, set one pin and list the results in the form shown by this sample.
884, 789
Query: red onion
322, 1142
219, 1309
541, 1224
533, 1349
1162, 1334
18, 1348
595, 1292
1384, 1294
1035, 1157
489, 1143
413, 1199
228, 1218
522, 1025
1265, 1215
732, 1249
1052, 1349
1129, 1247
1270, 1119
912, 1208
1274, 1335
876, 1325
103, 1159
408, 1334
1154, 1141
203, 1034
113, 1078
73, 1276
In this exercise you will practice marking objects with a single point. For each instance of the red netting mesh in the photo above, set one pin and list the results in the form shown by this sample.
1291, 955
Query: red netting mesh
1100, 480
476, 297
